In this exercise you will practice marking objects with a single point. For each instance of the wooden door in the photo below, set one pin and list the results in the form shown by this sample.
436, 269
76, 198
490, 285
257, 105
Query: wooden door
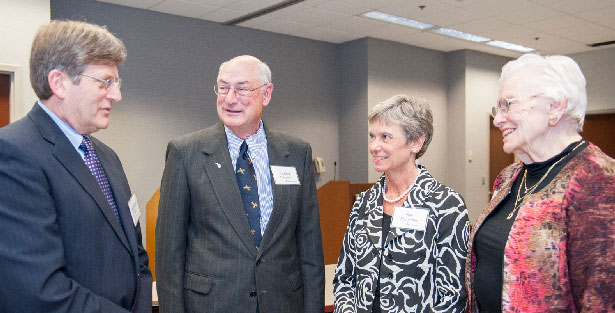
498, 159
600, 129
5, 94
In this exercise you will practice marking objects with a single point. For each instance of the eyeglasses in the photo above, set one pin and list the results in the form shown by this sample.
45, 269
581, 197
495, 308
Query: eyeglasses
240, 91
504, 105
107, 81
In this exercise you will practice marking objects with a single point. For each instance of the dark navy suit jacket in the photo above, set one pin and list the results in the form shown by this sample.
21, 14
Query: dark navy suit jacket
61, 247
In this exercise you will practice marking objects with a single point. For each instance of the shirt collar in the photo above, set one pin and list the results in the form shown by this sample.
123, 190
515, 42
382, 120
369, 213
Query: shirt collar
255, 141
73, 136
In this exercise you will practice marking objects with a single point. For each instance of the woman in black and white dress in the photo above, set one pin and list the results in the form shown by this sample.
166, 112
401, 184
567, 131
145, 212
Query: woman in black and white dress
418, 267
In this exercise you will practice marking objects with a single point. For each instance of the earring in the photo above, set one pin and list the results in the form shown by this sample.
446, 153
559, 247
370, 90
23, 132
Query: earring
552, 118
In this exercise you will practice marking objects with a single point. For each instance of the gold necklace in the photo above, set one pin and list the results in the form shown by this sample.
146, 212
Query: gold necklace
529, 191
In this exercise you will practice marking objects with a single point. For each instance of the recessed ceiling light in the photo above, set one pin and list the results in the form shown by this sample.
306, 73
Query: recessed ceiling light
461, 35
509, 46
381, 16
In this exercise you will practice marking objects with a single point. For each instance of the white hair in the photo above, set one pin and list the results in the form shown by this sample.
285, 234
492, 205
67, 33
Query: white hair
557, 77
264, 71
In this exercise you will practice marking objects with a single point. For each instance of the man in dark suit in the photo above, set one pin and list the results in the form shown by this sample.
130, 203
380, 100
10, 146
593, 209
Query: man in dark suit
252, 247
70, 240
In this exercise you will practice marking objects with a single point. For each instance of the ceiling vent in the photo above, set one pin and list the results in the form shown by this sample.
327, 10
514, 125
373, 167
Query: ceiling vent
604, 43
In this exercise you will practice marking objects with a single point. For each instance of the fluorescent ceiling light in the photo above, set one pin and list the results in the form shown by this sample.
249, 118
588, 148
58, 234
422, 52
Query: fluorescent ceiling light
381, 16
509, 46
389, 18
461, 35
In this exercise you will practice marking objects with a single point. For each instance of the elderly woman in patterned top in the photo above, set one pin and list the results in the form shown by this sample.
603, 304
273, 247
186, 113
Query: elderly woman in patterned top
546, 241
406, 242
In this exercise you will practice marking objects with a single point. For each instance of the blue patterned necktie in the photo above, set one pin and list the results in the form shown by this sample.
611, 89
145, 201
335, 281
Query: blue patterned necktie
93, 163
246, 179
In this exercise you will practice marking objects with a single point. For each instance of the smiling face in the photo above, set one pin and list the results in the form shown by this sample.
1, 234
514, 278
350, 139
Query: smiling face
525, 125
242, 115
86, 106
388, 147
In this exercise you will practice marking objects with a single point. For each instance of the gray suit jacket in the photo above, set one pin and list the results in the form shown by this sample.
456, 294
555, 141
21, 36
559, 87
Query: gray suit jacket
206, 260
61, 247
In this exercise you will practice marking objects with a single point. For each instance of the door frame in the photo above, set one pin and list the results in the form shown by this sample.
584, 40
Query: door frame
16, 93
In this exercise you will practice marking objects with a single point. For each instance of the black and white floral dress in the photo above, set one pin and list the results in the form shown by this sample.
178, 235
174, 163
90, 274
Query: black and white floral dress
419, 271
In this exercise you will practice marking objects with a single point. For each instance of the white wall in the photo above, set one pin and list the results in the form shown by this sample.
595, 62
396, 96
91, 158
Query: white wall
599, 68
395, 68
481, 92
19, 20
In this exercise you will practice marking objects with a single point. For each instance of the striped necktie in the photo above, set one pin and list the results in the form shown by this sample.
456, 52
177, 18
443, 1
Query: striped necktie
93, 163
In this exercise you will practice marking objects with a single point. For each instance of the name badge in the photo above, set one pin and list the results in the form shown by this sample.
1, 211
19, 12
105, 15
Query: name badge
135, 211
410, 218
285, 175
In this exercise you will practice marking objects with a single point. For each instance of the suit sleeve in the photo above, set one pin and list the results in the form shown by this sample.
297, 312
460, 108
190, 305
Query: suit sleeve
31, 248
344, 284
452, 241
144, 303
172, 232
309, 242
144, 296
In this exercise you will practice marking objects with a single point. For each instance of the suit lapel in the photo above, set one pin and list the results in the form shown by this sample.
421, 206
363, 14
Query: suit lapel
121, 192
278, 153
219, 168
65, 153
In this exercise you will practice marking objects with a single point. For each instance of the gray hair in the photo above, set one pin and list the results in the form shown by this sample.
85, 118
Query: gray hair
69, 46
264, 71
411, 114
557, 77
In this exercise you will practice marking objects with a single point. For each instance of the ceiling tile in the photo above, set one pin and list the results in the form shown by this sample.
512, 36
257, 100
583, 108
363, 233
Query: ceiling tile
508, 33
480, 26
215, 3
410, 8
576, 6
369, 4
452, 17
179, 7
588, 34
557, 22
604, 17
343, 7
550, 43
250, 6
141, 4
353, 24
495, 7
314, 16
529, 15
222, 15
288, 10
561, 26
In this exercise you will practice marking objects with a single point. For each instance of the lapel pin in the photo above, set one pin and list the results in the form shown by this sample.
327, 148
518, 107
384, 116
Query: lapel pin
218, 165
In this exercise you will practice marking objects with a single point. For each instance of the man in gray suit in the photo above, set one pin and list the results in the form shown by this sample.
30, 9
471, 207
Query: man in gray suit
221, 248
70, 240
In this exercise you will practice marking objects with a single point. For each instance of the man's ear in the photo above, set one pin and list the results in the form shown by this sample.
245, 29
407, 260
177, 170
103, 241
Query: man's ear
267, 94
58, 82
